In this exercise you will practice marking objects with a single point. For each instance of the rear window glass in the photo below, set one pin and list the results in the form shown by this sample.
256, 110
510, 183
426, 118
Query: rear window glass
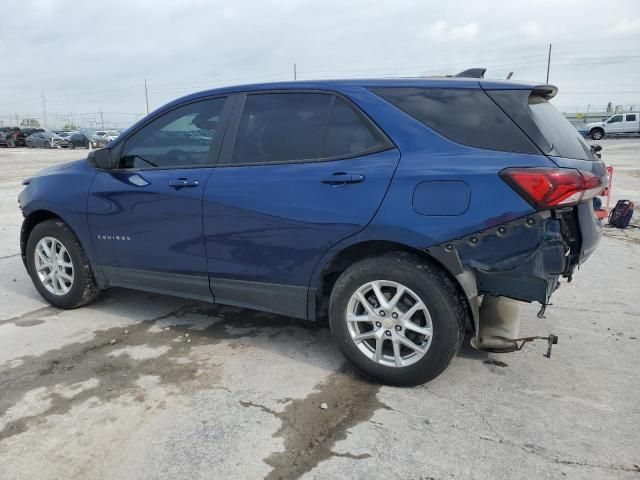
543, 123
468, 117
566, 141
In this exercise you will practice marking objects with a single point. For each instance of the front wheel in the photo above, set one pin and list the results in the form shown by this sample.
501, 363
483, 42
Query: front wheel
59, 267
398, 319
597, 134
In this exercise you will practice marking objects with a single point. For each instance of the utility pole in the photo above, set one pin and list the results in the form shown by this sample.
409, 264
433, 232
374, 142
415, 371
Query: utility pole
146, 95
44, 111
101, 119
295, 72
548, 62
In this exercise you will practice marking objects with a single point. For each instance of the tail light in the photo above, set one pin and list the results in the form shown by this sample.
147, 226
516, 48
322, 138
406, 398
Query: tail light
546, 188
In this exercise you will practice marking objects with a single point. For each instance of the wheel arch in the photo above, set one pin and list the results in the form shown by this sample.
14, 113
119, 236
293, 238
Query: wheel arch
342, 259
29, 223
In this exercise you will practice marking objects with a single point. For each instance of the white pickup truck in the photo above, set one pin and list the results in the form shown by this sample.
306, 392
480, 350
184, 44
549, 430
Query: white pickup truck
618, 124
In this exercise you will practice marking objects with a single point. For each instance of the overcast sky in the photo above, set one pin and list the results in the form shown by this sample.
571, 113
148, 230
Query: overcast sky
90, 56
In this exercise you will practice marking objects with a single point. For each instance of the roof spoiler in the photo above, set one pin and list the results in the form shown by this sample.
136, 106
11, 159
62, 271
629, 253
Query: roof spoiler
472, 73
545, 91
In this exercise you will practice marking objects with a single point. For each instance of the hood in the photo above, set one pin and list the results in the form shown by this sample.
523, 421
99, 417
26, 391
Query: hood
594, 124
56, 168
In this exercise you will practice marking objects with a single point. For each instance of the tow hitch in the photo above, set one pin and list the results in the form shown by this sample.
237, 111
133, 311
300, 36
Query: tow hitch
499, 325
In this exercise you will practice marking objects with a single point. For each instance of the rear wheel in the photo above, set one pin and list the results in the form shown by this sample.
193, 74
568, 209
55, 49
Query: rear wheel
398, 319
59, 267
597, 134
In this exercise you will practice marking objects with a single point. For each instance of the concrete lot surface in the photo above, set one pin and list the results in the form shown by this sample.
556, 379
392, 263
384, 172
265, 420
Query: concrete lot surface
143, 386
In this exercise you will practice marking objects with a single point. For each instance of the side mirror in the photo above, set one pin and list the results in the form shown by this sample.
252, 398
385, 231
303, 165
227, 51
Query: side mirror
100, 158
596, 148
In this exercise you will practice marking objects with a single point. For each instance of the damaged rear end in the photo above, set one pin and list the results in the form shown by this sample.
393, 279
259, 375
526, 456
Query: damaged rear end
525, 259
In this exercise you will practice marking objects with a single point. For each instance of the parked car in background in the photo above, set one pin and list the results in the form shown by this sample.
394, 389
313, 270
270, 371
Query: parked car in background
31, 130
95, 140
98, 141
393, 205
46, 140
619, 124
77, 140
12, 137
109, 134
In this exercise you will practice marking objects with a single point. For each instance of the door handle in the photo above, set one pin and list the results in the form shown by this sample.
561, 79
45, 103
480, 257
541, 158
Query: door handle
342, 178
183, 183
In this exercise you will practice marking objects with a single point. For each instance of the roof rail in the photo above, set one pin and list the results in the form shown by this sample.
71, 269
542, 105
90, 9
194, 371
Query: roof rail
472, 73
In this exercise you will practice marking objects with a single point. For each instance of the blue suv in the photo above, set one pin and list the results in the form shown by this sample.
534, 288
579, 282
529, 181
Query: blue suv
399, 208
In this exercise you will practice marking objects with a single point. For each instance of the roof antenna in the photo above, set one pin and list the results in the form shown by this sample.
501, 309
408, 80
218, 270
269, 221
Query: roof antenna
509, 76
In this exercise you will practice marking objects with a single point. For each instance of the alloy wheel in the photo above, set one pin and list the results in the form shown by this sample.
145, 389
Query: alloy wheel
53, 265
389, 323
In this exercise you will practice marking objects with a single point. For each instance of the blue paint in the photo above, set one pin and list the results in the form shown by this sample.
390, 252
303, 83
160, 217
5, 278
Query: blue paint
441, 197
280, 224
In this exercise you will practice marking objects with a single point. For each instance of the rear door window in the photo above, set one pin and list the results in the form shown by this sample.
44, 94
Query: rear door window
303, 126
349, 133
631, 117
468, 117
282, 127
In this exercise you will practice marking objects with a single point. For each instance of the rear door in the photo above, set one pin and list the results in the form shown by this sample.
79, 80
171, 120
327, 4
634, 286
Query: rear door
300, 171
146, 215
631, 123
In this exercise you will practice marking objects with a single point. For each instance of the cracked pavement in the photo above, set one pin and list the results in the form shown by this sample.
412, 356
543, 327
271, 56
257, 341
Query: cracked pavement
143, 386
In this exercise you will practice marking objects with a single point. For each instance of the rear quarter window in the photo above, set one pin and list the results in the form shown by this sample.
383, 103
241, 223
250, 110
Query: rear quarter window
468, 117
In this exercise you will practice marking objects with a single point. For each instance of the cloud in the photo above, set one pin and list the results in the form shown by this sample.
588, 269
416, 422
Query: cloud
624, 27
532, 29
86, 58
443, 32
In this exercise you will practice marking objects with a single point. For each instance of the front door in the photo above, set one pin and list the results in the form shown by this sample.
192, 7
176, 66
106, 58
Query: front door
615, 124
146, 215
305, 171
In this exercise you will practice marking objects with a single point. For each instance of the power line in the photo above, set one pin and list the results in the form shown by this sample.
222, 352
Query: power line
518, 64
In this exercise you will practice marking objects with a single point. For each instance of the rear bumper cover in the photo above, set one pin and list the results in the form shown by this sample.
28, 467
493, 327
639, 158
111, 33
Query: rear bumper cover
523, 259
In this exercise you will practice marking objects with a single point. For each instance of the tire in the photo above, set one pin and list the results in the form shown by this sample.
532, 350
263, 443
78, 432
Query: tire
444, 304
83, 288
596, 134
